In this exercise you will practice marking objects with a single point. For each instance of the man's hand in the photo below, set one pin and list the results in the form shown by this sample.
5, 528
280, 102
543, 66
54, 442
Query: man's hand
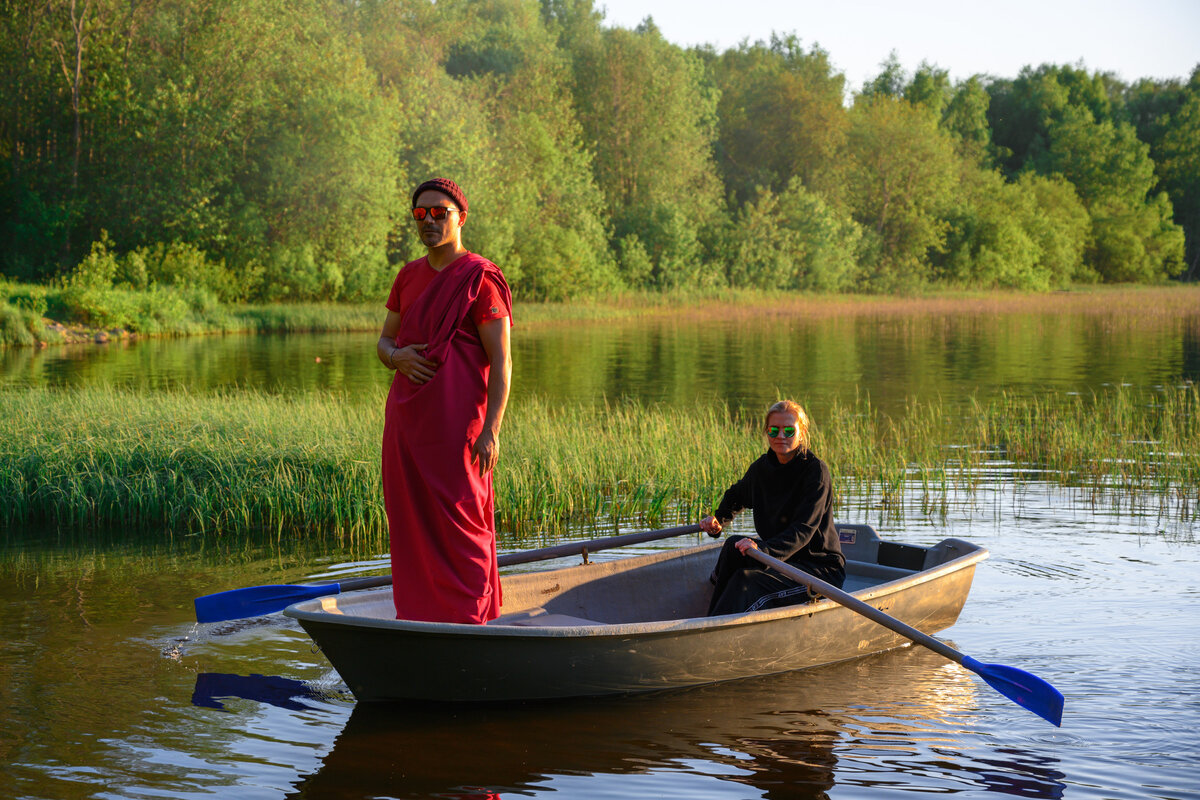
409, 362
485, 452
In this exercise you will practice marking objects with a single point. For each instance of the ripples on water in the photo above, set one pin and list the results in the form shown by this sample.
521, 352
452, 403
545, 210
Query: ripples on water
108, 691
1102, 605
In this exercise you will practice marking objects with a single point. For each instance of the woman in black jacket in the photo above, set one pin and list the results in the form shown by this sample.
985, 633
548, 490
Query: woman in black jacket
791, 493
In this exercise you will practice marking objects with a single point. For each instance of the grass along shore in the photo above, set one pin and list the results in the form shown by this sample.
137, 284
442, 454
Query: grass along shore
246, 463
38, 316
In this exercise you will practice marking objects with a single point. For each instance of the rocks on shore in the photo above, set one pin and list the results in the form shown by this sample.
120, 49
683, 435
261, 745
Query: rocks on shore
82, 334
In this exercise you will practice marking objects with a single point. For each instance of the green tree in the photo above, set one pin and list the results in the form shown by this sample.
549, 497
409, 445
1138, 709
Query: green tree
649, 117
249, 129
516, 79
1167, 117
483, 97
901, 173
1021, 110
965, 117
1027, 235
890, 80
31, 223
1060, 227
55, 57
1065, 121
780, 116
265, 150
930, 87
1133, 237
793, 240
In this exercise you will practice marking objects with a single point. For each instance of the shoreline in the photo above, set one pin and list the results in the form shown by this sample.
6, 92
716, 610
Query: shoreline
1144, 303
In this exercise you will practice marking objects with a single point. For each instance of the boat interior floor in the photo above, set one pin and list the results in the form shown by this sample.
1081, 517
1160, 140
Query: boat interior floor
859, 576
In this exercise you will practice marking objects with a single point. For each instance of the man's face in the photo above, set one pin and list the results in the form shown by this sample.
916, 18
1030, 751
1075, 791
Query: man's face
437, 232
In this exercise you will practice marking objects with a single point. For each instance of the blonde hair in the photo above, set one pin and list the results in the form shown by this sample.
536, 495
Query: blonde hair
802, 421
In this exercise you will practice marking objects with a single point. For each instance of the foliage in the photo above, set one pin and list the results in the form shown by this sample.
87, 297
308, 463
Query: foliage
1062, 121
650, 120
1166, 115
23, 296
1059, 227
793, 240
965, 118
162, 264
486, 100
22, 308
1030, 234
263, 152
18, 325
780, 117
160, 310
901, 173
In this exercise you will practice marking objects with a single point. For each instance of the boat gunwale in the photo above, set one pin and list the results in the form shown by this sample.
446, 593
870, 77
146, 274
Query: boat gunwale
600, 630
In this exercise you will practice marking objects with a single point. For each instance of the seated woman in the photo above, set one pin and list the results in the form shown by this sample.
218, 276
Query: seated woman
791, 493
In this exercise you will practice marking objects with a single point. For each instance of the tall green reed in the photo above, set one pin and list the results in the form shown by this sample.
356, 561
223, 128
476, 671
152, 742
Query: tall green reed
245, 462
188, 464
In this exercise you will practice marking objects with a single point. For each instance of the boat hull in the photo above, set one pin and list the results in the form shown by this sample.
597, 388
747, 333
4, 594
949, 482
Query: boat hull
572, 645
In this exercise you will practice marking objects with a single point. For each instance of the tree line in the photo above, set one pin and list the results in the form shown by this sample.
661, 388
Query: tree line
264, 150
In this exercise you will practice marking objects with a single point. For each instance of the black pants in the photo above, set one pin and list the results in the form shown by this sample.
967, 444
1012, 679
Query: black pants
742, 584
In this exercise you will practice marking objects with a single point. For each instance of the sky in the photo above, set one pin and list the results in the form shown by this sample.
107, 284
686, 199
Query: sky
1132, 38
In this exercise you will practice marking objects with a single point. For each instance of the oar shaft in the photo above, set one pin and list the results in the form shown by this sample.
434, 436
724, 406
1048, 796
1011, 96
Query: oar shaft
850, 601
369, 582
592, 545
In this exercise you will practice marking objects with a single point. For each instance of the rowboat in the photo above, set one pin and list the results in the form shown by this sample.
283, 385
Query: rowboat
633, 625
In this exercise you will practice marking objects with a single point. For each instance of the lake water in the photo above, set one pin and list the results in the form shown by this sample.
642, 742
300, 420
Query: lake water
107, 690
745, 361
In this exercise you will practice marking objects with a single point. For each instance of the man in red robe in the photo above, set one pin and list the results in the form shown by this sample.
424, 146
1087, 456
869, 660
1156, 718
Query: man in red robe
447, 337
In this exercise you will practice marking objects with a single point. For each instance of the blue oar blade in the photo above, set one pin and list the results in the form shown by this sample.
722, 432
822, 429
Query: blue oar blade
1025, 689
256, 600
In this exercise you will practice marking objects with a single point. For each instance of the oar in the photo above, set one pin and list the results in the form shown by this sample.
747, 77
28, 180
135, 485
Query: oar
255, 601
1026, 690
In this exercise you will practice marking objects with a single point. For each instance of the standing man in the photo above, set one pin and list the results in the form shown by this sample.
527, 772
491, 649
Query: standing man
446, 335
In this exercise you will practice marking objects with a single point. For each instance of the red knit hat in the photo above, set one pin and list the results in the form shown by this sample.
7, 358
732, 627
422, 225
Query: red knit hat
446, 187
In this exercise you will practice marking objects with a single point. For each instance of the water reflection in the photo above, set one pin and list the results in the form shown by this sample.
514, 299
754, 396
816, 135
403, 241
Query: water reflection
894, 719
91, 707
213, 688
420, 752
740, 361
99, 673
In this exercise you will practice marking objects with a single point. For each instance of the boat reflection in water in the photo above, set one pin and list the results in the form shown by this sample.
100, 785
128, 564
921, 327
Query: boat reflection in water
898, 721
212, 688
392, 751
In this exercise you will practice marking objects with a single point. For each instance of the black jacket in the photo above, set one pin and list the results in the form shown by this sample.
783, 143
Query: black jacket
793, 512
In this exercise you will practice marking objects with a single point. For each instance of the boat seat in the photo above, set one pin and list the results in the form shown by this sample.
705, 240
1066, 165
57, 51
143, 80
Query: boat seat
540, 618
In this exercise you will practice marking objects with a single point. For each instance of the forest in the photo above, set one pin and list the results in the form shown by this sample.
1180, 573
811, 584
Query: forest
263, 151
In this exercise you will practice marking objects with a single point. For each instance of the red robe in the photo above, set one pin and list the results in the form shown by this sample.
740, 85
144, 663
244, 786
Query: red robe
440, 510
